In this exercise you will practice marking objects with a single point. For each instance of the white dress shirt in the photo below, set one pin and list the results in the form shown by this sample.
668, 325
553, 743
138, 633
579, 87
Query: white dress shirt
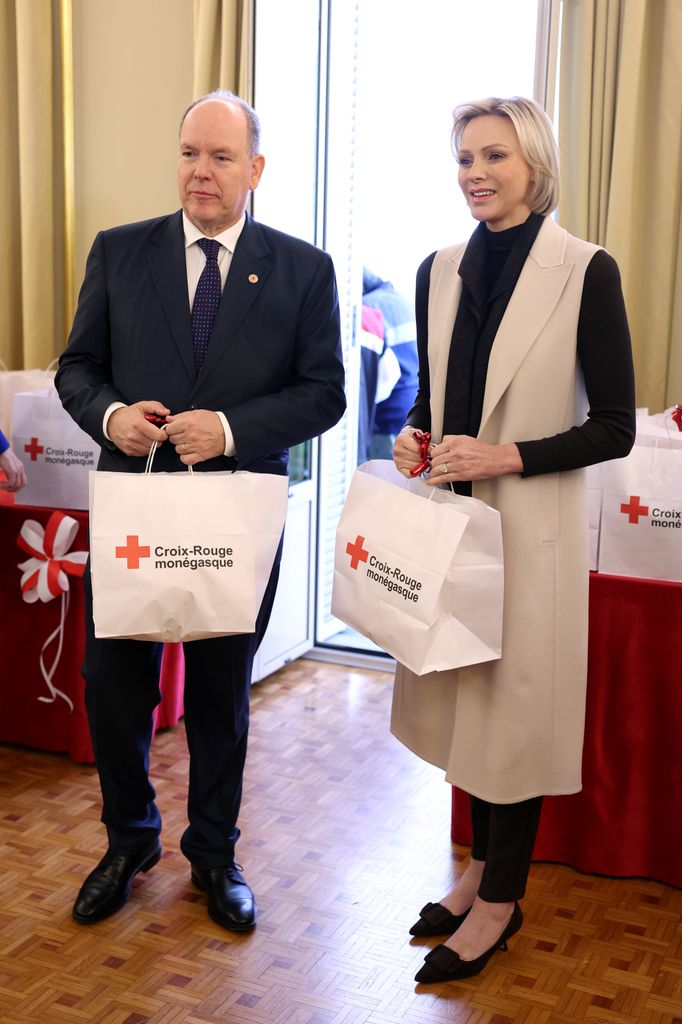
195, 261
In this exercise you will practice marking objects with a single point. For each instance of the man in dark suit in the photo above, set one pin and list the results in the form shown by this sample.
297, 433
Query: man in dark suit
237, 346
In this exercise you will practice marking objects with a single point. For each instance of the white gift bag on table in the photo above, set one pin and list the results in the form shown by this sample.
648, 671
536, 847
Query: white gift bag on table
419, 571
641, 521
182, 556
14, 382
57, 455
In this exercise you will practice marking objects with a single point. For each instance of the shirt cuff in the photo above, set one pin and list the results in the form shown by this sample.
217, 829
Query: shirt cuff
230, 448
112, 408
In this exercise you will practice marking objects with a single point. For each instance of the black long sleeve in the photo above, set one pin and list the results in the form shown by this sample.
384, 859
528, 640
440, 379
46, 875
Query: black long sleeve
605, 358
419, 415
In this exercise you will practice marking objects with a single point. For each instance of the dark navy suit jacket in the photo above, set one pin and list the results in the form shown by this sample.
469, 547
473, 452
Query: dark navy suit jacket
273, 365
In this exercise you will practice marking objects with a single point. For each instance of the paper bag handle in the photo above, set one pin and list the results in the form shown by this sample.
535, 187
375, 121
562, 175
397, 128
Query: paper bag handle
432, 490
150, 458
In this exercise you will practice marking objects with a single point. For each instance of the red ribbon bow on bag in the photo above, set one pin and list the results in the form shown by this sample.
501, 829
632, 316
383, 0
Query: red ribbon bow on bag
423, 440
677, 416
44, 576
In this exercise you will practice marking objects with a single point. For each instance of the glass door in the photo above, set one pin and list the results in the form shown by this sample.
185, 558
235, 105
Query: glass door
288, 66
395, 75
355, 97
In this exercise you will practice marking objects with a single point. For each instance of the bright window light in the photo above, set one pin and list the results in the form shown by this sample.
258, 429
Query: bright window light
416, 68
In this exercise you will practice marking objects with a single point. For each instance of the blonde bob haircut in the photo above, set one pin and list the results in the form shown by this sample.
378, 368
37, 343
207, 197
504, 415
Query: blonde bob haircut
536, 139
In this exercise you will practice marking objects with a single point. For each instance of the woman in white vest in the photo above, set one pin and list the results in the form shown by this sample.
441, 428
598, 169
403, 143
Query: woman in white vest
525, 378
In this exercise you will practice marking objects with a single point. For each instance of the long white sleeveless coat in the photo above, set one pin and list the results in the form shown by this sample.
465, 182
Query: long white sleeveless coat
512, 729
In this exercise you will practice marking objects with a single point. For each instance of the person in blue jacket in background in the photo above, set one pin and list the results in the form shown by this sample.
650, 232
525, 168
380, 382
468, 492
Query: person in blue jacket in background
400, 335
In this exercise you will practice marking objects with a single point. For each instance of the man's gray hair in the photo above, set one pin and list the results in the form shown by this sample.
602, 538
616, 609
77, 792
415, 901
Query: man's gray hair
536, 139
225, 96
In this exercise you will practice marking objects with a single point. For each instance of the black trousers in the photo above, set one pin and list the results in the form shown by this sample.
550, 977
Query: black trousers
121, 692
504, 837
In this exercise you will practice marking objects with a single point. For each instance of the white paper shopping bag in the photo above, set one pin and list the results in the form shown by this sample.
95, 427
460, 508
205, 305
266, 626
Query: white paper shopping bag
14, 382
57, 455
182, 556
660, 430
641, 521
419, 571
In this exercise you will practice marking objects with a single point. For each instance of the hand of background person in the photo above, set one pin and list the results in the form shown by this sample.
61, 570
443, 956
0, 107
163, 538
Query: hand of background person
197, 435
14, 470
131, 432
467, 458
406, 453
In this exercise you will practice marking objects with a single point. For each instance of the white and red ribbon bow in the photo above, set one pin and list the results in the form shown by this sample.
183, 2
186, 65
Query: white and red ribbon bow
46, 575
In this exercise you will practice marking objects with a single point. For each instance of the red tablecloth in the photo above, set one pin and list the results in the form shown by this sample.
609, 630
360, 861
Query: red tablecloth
24, 719
627, 820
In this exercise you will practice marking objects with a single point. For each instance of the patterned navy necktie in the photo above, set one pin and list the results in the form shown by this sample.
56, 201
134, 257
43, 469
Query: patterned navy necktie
206, 300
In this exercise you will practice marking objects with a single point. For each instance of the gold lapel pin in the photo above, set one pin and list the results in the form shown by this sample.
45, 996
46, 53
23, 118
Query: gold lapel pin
253, 278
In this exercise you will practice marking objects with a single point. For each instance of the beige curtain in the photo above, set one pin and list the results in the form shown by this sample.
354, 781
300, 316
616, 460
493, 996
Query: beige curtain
223, 46
620, 135
36, 181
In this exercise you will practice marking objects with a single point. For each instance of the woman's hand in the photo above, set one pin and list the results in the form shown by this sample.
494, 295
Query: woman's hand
459, 457
406, 451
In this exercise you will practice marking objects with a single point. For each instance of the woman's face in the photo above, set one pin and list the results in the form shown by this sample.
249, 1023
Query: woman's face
493, 174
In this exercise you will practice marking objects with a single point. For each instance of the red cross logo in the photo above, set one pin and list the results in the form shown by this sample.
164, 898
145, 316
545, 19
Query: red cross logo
357, 552
133, 551
633, 509
34, 449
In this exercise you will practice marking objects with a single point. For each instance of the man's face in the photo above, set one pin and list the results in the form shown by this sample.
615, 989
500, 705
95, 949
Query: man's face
215, 171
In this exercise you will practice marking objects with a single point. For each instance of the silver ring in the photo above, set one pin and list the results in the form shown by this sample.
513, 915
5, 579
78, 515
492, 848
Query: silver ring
444, 468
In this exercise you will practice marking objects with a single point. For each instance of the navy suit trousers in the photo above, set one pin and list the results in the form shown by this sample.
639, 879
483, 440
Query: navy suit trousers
121, 692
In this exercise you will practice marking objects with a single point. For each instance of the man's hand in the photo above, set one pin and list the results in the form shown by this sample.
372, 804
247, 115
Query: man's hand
460, 457
14, 471
197, 435
131, 432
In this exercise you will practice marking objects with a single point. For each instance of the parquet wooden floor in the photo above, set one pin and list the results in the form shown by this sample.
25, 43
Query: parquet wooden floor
345, 836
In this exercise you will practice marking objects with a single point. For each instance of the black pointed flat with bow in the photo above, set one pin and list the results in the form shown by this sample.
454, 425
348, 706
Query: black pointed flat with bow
435, 919
443, 964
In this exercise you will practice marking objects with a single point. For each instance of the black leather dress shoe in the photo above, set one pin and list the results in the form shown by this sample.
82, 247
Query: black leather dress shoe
230, 900
443, 964
107, 887
435, 919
